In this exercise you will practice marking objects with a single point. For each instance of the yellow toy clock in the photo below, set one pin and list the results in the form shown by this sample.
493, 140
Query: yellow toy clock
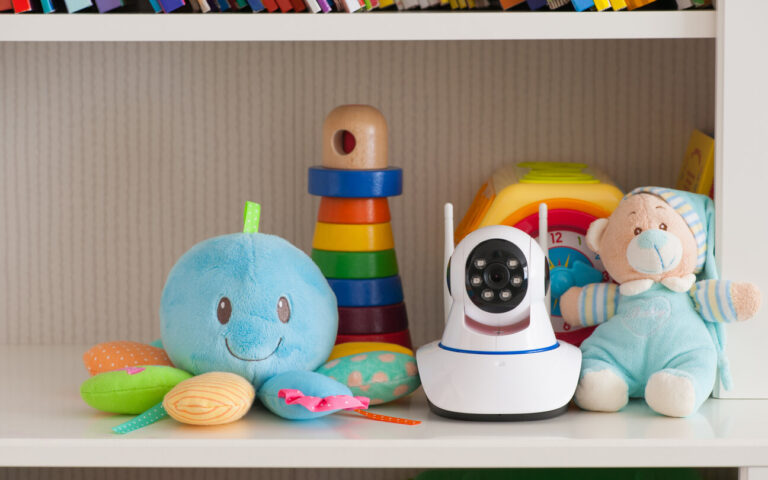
575, 196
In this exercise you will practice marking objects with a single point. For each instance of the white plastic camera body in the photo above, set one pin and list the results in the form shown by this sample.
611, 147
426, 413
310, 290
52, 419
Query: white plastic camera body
498, 358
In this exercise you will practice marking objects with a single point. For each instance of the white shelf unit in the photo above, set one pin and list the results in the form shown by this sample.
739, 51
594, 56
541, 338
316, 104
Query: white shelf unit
44, 424
372, 26
38, 430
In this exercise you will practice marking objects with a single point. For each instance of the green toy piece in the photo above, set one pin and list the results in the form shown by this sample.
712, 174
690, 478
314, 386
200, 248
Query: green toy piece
356, 265
131, 390
251, 217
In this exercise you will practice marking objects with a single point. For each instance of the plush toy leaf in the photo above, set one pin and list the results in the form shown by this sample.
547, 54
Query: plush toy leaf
131, 390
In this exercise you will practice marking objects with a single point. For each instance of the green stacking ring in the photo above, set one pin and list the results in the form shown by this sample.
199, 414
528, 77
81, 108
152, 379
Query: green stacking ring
382, 263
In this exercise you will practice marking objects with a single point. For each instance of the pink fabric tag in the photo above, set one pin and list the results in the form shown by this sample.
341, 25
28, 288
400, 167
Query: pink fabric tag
317, 404
133, 370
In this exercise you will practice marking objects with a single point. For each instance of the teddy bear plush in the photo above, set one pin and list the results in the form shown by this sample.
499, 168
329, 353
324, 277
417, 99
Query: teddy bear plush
661, 327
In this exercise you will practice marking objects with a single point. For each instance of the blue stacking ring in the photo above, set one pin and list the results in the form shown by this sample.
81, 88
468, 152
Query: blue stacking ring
369, 292
331, 182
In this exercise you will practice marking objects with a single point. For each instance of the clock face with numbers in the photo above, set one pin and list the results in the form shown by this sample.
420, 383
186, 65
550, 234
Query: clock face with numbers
571, 262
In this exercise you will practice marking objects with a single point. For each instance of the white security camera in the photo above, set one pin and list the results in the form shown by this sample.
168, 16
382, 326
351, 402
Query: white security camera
498, 358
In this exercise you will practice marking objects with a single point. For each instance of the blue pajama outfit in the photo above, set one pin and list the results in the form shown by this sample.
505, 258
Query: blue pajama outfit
656, 330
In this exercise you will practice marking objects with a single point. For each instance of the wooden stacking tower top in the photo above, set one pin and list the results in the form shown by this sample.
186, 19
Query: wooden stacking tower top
355, 138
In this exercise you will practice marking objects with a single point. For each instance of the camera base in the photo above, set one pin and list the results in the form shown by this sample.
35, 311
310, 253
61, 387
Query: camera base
493, 386
498, 417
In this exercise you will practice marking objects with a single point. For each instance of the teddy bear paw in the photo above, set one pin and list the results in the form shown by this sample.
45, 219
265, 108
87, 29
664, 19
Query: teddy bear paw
601, 391
569, 306
670, 395
745, 297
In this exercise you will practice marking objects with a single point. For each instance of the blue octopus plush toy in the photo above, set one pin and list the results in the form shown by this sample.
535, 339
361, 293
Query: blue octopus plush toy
242, 316
254, 305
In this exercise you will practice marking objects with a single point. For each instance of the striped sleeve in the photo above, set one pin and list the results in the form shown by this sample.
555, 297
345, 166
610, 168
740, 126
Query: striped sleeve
712, 299
598, 303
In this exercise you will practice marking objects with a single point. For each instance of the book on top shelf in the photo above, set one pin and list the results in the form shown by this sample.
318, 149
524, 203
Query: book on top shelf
698, 172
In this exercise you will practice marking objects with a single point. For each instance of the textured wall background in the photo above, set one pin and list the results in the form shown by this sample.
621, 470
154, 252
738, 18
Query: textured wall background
116, 158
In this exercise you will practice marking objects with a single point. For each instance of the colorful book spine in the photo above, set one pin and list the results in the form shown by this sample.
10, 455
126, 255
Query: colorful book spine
46, 5
507, 4
555, 4
170, 5
537, 4
581, 5
298, 5
284, 5
270, 5
312, 6
698, 172
602, 5
22, 6
633, 4
77, 5
107, 5
325, 5
618, 4
5, 5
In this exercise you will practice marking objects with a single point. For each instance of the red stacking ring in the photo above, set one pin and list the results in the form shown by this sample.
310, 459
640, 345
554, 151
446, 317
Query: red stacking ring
403, 337
353, 210
372, 320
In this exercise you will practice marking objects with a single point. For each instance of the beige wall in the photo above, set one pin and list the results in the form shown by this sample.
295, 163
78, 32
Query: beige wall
116, 158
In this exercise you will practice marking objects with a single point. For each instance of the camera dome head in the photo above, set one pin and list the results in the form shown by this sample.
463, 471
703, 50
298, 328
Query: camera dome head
496, 275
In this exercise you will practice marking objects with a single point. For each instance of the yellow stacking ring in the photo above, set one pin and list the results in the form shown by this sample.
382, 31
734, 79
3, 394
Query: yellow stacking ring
341, 237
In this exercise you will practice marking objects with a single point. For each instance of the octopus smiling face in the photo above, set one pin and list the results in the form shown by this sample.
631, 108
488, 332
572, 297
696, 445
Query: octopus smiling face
250, 304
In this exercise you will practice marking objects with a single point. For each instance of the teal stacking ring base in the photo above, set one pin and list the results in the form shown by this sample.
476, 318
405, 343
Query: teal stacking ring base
331, 182
372, 292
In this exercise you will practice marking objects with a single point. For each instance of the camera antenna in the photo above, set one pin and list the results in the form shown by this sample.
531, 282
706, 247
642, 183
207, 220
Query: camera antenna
449, 246
544, 244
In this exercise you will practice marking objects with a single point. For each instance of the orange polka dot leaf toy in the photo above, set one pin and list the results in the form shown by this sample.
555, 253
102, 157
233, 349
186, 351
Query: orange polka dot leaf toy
243, 316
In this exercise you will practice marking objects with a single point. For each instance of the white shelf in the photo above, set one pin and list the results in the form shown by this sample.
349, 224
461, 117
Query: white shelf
43, 422
369, 26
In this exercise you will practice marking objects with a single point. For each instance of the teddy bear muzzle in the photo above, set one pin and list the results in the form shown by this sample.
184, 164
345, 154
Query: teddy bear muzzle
654, 252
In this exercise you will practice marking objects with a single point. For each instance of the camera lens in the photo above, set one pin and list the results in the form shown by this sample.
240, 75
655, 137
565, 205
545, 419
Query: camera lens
496, 275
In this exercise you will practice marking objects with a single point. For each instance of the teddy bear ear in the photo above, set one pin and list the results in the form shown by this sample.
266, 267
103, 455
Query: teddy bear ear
595, 233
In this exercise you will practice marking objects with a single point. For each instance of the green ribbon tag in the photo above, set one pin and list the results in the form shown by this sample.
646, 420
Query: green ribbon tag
251, 217
140, 421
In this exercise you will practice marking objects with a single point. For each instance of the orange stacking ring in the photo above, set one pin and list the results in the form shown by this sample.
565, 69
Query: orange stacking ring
353, 210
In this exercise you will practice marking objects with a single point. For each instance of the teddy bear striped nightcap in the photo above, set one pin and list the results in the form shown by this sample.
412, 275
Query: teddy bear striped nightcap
679, 202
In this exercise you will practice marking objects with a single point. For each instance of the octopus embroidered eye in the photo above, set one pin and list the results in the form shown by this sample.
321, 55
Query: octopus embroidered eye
663, 226
638, 231
283, 310
224, 311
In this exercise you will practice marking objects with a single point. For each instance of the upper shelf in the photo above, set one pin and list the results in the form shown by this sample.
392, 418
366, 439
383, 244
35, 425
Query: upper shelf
43, 422
366, 26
